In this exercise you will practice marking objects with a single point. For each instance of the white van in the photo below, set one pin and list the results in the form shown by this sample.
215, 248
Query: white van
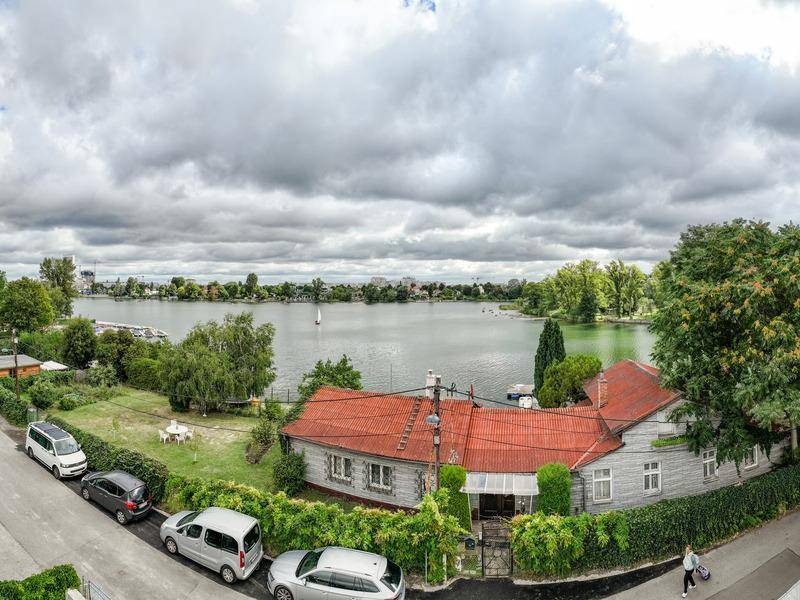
55, 449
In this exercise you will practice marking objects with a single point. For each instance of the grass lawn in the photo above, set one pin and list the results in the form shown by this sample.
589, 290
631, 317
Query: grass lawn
215, 453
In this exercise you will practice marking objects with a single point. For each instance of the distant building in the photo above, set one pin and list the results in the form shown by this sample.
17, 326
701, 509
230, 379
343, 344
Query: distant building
379, 282
26, 365
408, 281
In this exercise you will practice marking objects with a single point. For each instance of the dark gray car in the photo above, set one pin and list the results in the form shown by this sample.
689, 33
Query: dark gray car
120, 492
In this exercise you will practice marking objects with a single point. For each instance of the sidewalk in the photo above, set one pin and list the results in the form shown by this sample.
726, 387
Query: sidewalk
728, 563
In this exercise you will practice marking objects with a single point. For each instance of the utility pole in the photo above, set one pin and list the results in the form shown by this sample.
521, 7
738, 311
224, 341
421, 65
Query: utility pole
16, 364
436, 439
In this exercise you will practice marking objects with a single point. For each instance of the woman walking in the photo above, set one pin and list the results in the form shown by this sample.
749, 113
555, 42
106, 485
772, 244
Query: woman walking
690, 562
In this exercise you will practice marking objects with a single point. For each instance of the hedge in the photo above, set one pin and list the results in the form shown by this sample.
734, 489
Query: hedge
453, 478
555, 489
15, 412
143, 374
104, 456
51, 584
290, 524
553, 545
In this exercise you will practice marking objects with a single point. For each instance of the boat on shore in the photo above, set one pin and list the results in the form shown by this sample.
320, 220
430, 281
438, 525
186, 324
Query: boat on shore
138, 331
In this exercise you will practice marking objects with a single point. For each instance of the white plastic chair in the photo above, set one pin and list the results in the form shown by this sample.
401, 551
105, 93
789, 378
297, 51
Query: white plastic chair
163, 436
180, 438
189, 435
173, 423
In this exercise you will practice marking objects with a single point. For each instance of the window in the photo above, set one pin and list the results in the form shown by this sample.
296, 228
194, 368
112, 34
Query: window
344, 582
392, 576
365, 585
320, 578
187, 519
751, 458
652, 477
102, 484
213, 538
194, 531
309, 563
341, 468
709, 464
602, 485
229, 544
380, 476
251, 537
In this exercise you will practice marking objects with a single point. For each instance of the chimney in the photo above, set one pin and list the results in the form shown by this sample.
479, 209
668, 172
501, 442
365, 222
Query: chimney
430, 382
602, 390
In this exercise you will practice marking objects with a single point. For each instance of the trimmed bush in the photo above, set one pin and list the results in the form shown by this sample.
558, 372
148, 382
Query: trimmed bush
102, 376
16, 412
289, 473
104, 456
51, 584
555, 489
68, 402
143, 374
288, 524
43, 394
453, 478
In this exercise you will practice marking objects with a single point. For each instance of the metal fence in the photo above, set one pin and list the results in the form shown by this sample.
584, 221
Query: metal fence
92, 591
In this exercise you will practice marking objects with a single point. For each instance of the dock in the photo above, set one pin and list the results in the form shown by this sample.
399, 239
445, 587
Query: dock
513, 392
139, 331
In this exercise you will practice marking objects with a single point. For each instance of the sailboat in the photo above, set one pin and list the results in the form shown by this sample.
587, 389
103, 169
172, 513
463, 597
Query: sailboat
319, 317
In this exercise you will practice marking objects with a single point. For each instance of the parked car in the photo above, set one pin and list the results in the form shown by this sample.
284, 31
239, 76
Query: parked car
223, 540
120, 492
55, 449
334, 573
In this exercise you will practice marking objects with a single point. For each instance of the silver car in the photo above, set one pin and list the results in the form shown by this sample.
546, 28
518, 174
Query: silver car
334, 574
223, 540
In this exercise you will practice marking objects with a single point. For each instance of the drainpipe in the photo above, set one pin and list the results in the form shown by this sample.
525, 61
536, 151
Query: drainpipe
583, 491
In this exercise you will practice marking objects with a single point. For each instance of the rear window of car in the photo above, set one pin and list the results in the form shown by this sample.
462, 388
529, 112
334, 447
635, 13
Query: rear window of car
140, 493
188, 518
392, 576
229, 544
308, 563
251, 537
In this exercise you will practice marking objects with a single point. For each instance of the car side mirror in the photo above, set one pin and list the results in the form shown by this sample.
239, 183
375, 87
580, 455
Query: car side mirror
304, 580
51, 451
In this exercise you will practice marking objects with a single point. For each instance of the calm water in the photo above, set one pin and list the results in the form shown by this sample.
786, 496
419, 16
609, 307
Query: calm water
393, 345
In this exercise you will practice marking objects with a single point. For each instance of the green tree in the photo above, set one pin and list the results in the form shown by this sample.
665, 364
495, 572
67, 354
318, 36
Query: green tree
339, 374
588, 307
250, 285
728, 331
26, 305
317, 288
111, 348
43, 394
563, 380
80, 343
233, 290
130, 287
452, 478
178, 282
575, 281
59, 273
193, 374
555, 489
3, 282
290, 473
44, 345
550, 349
62, 305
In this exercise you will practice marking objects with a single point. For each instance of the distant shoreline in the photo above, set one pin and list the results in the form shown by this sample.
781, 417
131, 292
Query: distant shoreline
241, 301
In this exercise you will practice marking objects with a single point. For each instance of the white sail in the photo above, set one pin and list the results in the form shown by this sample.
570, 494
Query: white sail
319, 316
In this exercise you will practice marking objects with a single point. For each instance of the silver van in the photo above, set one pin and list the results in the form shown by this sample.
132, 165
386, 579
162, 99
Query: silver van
223, 540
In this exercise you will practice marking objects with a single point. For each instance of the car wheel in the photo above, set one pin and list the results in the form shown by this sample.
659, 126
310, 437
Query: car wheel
56, 472
30, 452
85, 493
282, 593
122, 518
227, 574
172, 547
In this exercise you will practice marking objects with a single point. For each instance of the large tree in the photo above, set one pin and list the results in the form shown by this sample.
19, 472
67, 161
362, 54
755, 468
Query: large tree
80, 343
575, 281
624, 287
317, 287
563, 380
334, 374
251, 285
550, 350
26, 305
59, 276
728, 333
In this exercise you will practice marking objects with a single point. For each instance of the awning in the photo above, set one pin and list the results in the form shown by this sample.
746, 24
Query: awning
518, 484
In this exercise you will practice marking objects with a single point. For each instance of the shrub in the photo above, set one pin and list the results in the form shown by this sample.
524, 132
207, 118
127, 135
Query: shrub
102, 376
80, 342
563, 380
104, 456
290, 473
68, 402
292, 523
272, 410
15, 411
453, 478
57, 377
555, 489
143, 374
265, 432
51, 584
43, 394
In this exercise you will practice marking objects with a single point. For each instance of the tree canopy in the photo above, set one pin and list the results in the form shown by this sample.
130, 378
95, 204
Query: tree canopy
80, 343
26, 306
728, 333
550, 349
334, 374
563, 380
624, 287
58, 274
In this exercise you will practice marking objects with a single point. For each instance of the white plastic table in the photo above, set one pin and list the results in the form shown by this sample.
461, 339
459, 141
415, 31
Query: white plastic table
176, 430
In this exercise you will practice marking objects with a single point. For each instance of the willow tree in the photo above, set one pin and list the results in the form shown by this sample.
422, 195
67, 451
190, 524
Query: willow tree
728, 333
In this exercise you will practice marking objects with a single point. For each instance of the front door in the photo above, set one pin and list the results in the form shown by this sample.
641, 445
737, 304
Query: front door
190, 542
496, 505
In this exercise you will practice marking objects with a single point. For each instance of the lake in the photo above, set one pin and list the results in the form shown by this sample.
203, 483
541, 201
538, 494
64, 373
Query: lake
393, 345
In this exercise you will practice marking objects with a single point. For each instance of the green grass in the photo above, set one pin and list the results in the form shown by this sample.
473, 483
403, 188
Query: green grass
215, 453
670, 441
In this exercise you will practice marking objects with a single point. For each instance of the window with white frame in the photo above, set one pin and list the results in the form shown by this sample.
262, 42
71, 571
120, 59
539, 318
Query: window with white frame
751, 458
601, 479
709, 464
341, 468
652, 477
380, 477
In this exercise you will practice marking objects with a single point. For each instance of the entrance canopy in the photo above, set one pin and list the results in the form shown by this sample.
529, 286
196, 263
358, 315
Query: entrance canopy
517, 484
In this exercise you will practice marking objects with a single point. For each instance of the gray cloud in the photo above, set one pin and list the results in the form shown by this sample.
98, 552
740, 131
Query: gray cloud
312, 138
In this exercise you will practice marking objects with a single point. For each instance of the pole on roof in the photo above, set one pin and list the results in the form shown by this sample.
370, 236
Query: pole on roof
16, 364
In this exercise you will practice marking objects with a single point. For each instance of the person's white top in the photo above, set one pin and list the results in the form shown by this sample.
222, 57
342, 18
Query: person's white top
177, 429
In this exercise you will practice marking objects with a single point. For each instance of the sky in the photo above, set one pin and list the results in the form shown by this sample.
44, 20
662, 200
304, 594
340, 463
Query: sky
446, 140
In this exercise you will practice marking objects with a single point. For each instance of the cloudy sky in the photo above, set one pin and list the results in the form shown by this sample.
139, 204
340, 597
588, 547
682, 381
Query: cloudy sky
460, 139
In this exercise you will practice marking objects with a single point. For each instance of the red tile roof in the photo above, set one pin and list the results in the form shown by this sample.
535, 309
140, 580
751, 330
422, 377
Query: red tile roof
634, 393
484, 439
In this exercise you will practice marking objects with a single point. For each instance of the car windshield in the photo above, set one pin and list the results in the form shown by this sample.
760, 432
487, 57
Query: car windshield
308, 563
251, 538
67, 446
187, 519
140, 493
392, 576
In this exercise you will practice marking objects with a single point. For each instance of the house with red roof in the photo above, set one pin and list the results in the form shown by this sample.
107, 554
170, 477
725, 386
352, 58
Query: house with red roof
378, 448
